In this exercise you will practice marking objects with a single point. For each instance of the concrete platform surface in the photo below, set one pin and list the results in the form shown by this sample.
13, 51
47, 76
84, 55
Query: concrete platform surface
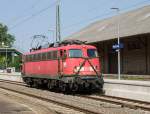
10, 107
138, 90
11, 76
128, 82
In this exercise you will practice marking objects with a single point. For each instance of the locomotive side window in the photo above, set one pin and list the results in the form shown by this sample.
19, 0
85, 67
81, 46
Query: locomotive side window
54, 54
92, 53
44, 56
75, 53
49, 55
34, 57
39, 56
30, 57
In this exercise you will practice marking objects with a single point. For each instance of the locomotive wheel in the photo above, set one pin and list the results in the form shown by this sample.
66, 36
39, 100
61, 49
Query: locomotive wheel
28, 81
35, 84
49, 85
30, 84
86, 85
74, 87
63, 87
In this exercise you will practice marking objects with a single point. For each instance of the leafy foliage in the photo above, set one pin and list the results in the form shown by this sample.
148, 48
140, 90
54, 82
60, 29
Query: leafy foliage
2, 62
5, 37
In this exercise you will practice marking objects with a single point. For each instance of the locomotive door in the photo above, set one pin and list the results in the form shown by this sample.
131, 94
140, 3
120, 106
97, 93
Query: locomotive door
63, 56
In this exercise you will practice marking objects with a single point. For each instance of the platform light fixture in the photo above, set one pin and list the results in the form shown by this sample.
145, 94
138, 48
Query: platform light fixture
118, 35
5, 46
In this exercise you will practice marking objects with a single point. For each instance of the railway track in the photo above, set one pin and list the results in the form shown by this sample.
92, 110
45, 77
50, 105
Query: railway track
13, 82
87, 111
124, 102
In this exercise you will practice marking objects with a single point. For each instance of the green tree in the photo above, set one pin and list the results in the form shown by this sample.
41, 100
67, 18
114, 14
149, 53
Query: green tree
5, 37
2, 62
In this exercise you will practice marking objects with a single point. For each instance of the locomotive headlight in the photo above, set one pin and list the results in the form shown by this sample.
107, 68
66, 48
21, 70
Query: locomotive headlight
65, 64
90, 68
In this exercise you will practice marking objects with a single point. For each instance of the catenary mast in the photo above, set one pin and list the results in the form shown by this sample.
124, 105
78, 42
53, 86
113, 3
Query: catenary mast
58, 34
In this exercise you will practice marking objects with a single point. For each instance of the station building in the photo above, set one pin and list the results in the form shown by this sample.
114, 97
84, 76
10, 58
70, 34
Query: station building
134, 34
8, 55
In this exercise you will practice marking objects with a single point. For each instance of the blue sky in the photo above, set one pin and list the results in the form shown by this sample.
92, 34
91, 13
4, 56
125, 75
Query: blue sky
26, 18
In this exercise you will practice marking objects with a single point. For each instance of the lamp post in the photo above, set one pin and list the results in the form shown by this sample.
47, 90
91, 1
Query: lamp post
118, 34
5, 46
6, 58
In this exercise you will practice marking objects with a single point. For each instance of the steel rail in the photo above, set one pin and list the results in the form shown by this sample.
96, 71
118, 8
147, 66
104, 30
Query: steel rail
13, 82
124, 102
77, 108
126, 99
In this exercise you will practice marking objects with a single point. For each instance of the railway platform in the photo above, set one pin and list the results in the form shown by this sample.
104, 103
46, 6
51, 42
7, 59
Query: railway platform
11, 76
131, 89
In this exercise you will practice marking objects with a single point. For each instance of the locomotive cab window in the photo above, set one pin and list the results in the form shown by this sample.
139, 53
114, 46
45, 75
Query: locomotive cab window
92, 53
75, 53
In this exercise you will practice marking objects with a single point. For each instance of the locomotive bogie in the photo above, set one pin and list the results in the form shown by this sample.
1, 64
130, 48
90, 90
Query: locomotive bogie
66, 83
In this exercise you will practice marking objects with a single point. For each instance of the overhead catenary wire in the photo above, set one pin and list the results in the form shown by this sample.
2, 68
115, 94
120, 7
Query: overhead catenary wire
32, 16
75, 24
103, 15
36, 3
23, 15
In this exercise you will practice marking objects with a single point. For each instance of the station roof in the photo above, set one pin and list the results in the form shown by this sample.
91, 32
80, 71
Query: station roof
10, 50
134, 22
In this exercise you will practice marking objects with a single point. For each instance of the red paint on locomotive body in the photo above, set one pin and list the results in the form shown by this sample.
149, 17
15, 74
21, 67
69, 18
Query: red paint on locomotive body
68, 66
72, 67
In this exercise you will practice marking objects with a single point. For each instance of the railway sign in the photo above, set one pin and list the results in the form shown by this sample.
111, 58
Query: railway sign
118, 46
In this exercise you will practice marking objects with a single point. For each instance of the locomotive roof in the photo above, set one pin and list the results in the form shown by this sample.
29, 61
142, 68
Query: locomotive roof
74, 46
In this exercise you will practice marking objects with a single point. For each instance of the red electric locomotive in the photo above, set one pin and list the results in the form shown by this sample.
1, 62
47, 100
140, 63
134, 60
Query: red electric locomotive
69, 65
